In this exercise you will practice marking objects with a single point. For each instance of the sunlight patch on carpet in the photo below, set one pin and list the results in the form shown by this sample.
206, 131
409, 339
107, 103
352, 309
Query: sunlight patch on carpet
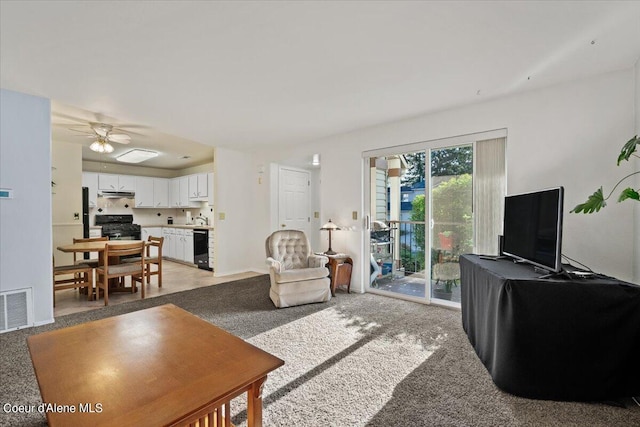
326, 354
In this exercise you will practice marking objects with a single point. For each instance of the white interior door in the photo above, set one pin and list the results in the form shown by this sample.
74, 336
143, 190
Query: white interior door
294, 199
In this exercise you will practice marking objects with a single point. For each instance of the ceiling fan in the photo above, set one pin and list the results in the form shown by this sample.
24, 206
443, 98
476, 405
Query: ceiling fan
104, 134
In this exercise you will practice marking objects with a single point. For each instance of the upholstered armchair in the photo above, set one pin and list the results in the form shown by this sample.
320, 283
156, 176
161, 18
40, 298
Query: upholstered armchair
297, 275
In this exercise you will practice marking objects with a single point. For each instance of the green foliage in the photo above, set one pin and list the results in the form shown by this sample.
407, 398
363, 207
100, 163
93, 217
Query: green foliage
452, 161
452, 206
594, 203
597, 201
628, 149
444, 162
629, 193
452, 202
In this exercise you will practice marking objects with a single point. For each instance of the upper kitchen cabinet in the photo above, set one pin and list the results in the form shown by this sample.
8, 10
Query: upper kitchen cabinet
198, 188
179, 193
111, 182
152, 192
161, 193
90, 180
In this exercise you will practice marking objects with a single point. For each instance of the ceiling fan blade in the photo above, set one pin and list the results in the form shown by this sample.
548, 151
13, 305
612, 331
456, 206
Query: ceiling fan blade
120, 138
87, 132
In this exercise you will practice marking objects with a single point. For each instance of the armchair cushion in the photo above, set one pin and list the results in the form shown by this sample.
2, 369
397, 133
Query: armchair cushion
301, 274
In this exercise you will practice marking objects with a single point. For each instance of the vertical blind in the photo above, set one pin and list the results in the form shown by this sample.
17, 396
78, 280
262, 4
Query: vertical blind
489, 191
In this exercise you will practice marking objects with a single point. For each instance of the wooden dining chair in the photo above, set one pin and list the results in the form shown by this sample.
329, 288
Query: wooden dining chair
81, 277
112, 267
149, 260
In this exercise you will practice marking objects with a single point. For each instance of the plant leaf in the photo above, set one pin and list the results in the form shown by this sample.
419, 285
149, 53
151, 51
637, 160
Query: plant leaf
628, 149
594, 203
629, 193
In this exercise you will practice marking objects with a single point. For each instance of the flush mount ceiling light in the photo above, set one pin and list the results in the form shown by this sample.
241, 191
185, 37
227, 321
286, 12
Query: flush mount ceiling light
136, 156
101, 145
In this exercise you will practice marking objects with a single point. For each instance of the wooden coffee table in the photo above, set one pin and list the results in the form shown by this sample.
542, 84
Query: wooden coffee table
154, 367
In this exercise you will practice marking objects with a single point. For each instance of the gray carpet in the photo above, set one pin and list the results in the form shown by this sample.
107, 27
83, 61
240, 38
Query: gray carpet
359, 360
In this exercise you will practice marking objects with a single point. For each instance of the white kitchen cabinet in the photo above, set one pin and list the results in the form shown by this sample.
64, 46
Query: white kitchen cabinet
152, 192
168, 247
126, 183
174, 192
154, 232
161, 192
144, 192
112, 182
179, 244
184, 198
90, 180
188, 246
198, 187
211, 252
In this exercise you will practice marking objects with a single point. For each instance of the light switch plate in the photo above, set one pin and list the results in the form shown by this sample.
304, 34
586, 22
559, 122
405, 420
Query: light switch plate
354, 214
221, 216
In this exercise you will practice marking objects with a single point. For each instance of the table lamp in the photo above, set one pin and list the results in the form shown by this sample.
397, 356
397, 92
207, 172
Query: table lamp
331, 227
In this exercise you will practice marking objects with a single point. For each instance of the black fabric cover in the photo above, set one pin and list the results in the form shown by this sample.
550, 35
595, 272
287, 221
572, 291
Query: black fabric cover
556, 339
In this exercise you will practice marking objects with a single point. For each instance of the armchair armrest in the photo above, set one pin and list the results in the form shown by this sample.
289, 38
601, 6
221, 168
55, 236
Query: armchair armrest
317, 260
275, 265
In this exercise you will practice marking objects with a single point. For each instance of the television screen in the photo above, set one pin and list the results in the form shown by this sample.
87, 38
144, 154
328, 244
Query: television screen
533, 227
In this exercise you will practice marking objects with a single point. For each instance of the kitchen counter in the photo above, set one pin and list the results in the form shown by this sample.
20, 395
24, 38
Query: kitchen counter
188, 227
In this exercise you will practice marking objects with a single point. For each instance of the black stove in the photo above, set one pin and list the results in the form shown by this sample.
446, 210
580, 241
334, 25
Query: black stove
118, 227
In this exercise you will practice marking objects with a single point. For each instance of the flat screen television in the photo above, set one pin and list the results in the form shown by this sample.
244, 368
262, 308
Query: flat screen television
533, 227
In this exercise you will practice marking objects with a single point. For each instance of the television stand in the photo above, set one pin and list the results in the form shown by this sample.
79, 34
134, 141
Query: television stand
552, 338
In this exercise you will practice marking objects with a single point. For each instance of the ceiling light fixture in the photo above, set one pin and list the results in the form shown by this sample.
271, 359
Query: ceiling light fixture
101, 145
136, 156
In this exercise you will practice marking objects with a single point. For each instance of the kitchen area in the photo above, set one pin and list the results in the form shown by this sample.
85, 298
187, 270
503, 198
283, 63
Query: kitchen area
171, 195
132, 207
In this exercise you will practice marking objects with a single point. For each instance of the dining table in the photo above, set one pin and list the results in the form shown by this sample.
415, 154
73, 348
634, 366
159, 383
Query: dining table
99, 247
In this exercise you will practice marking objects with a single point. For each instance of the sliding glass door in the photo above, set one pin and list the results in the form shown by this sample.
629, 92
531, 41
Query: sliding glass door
423, 215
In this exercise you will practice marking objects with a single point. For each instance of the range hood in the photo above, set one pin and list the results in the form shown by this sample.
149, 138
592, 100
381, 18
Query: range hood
107, 194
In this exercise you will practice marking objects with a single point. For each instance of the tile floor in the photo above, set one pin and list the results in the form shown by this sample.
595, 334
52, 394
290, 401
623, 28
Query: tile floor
176, 277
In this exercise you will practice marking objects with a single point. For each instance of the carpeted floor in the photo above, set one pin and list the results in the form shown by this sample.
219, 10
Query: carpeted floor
359, 360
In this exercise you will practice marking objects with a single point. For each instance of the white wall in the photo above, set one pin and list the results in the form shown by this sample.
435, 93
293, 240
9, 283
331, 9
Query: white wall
235, 240
66, 172
25, 220
568, 135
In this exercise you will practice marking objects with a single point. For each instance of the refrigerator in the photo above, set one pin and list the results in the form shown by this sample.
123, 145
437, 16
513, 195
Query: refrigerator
85, 216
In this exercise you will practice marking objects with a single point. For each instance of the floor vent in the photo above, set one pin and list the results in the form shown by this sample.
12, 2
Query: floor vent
15, 310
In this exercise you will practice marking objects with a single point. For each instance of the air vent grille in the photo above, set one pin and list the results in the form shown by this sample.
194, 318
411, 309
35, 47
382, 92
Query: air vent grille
15, 310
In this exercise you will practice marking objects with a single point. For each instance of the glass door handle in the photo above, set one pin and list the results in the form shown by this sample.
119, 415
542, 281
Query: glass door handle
431, 223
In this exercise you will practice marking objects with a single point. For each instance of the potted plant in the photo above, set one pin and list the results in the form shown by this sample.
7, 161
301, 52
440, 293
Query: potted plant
597, 201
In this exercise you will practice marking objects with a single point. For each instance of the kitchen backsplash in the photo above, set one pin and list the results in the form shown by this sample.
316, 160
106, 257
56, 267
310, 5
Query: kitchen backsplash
146, 216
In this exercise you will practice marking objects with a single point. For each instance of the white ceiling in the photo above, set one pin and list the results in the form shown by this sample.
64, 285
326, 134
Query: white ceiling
252, 74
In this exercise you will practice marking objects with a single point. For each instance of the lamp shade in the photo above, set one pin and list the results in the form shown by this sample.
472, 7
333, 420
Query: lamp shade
330, 226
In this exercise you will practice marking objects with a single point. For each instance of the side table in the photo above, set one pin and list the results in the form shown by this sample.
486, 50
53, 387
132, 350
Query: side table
340, 266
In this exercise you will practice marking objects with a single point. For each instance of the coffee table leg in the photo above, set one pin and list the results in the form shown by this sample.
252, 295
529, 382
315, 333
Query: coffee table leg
254, 403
